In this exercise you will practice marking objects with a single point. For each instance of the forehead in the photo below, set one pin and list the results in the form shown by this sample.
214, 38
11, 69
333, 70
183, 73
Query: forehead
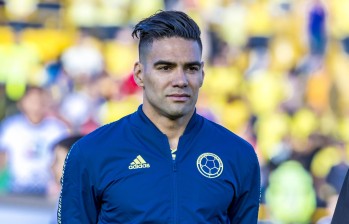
174, 49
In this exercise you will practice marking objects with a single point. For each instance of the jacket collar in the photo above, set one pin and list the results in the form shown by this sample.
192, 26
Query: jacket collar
141, 121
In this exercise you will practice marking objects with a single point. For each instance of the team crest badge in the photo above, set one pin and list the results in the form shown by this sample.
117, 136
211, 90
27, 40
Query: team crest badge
209, 165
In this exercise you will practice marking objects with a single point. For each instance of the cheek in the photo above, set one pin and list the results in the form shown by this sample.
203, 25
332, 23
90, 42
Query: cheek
196, 83
154, 86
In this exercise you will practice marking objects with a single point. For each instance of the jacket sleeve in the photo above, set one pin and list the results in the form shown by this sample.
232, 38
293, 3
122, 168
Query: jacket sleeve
341, 214
77, 201
244, 208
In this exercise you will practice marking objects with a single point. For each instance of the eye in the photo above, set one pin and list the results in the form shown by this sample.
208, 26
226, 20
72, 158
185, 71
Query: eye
193, 68
164, 67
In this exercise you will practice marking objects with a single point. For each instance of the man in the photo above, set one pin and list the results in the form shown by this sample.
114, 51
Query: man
164, 163
341, 214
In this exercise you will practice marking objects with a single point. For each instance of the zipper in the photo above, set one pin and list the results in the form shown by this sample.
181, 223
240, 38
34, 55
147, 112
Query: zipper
175, 193
174, 185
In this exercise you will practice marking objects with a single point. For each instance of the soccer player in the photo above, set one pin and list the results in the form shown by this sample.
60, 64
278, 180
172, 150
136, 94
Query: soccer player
164, 163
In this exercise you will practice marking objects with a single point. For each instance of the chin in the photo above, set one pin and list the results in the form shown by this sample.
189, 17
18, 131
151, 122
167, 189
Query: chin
175, 114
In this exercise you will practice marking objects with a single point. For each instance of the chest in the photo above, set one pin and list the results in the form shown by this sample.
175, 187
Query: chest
150, 185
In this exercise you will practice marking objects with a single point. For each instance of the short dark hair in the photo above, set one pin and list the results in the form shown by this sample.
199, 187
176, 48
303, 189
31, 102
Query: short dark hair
166, 24
67, 142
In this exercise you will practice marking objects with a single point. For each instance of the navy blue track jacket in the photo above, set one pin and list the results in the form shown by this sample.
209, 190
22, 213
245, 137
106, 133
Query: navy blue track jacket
124, 173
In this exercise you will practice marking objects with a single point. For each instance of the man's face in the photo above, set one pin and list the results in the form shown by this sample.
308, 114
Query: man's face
171, 74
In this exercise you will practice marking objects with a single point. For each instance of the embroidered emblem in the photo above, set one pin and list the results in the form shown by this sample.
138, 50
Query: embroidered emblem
209, 165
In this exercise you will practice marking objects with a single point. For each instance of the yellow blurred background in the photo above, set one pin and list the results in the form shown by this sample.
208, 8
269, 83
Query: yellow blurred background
276, 74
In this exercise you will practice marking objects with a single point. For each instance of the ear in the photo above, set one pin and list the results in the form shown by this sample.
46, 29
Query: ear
138, 74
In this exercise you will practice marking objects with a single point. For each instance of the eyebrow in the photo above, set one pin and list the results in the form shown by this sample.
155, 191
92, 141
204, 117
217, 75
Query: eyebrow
163, 62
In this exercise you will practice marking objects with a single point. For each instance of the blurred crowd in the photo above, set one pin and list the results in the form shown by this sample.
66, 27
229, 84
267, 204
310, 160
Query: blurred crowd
276, 74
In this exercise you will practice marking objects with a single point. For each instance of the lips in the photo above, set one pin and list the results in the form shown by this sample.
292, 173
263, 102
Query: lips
179, 97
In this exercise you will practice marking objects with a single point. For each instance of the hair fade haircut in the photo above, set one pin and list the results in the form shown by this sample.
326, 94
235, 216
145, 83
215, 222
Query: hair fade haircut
165, 24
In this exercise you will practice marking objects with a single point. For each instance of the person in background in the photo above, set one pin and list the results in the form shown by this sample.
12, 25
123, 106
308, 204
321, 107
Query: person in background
26, 140
317, 28
60, 151
163, 163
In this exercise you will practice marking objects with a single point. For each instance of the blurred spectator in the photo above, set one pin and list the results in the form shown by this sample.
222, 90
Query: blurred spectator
318, 87
25, 142
4, 175
79, 106
60, 151
82, 13
20, 10
340, 21
140, 9
121, 98
272, 131
328, 168
290, 195
113, 13
120, 53
83, 60
97, 13
317, 28
336, 175
233, 15
260, 29
331, 201
19, 66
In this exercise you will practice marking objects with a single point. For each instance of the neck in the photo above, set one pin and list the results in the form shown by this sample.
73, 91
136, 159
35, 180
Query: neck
172, 128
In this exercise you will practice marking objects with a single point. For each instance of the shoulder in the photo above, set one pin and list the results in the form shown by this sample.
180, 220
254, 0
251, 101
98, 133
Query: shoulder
12, 120
14, 124
220, 133
91, 152
234, 145
109, 129
105, 136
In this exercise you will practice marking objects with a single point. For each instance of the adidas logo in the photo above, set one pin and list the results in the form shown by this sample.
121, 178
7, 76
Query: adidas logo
138, 163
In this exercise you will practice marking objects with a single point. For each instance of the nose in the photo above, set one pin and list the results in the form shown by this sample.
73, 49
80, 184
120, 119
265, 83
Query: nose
180, 79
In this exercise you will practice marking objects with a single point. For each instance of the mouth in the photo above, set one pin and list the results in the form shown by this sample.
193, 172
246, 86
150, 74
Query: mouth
179, 97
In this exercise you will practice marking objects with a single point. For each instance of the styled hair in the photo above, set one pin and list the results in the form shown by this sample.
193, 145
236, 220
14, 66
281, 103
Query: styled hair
166, 24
